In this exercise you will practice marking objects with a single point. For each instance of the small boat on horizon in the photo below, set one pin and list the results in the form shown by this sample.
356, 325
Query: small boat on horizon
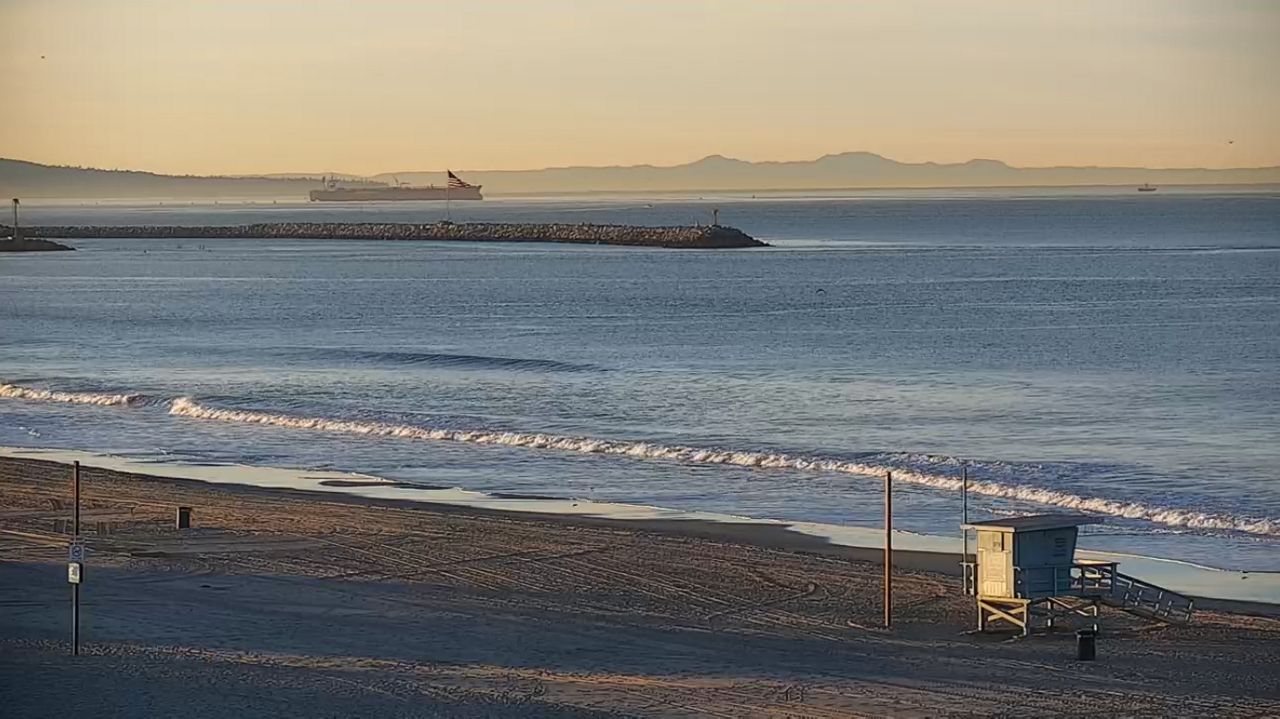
1148, 187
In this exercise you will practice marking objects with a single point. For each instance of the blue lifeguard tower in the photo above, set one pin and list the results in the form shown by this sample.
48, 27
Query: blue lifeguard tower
1025, 570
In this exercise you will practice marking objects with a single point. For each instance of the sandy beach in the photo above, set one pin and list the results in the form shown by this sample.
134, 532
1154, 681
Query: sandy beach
283, 602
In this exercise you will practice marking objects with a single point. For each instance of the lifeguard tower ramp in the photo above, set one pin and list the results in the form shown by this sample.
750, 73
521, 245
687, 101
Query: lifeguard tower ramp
1025, 570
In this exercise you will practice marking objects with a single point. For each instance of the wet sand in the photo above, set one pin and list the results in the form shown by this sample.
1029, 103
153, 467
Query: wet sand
285, 602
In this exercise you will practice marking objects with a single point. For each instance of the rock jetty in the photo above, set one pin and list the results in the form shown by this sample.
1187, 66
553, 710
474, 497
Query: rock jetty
700, 237
31, 244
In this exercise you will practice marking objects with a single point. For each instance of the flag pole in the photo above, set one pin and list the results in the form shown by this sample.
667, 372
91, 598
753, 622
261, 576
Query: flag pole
448, 183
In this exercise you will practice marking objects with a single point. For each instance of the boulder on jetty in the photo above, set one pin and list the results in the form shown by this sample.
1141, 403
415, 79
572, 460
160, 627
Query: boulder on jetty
682, 237
31, 244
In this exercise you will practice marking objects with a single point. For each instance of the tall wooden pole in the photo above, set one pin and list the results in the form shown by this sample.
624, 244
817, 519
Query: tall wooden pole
964, 510
75, 481
964, 532
888, 549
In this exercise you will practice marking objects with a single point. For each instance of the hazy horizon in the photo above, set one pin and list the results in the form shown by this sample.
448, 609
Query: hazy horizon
235, 88
295, 173
849, 170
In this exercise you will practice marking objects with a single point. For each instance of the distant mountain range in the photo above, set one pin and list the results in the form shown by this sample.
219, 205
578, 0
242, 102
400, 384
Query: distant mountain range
714, 173
32, 180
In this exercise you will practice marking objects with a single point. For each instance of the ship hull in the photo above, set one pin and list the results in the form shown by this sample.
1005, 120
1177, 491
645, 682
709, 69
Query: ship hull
378, 194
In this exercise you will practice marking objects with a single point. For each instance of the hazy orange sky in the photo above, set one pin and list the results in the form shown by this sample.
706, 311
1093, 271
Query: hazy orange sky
229, 86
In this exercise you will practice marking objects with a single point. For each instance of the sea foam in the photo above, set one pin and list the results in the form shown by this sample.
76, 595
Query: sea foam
12, 391
187, 407
917, 475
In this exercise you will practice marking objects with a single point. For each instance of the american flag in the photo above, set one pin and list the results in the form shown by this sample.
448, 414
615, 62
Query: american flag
455, 181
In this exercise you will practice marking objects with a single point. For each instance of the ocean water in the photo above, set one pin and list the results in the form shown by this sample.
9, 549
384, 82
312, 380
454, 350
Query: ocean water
1096, 351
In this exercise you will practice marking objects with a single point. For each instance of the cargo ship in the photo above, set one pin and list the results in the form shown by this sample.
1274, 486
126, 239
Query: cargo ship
454, 189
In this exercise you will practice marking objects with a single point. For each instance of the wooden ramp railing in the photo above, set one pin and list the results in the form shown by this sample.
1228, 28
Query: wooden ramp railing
1135, 596
1095, 580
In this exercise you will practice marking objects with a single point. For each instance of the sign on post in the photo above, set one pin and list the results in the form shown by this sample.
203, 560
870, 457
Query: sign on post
75, 551
75, 572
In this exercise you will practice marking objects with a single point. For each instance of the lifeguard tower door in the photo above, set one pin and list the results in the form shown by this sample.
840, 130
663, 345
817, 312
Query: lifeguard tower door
995, 564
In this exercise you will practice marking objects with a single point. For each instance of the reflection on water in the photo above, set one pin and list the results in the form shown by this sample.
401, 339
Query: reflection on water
1103, 348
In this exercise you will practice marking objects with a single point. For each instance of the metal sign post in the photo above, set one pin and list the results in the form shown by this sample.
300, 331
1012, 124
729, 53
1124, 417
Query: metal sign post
75, 575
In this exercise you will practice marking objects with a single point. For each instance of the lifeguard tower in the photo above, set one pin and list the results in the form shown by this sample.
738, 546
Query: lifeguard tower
1026, 569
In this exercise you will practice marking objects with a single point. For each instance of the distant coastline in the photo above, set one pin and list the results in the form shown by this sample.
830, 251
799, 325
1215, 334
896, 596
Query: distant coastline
1124, 189
714, 174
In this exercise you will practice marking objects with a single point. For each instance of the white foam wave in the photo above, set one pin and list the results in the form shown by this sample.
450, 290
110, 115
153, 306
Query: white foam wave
12, 391
187, 407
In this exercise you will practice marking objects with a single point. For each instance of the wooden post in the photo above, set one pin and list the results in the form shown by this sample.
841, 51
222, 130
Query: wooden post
888, 550
964, 533
75, 481
964, 509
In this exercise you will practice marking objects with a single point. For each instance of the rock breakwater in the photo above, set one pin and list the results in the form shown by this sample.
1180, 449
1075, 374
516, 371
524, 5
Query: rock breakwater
681, 237
31, 244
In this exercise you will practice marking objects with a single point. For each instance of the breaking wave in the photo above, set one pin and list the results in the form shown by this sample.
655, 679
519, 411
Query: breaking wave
919, 470
12, 391
187, 407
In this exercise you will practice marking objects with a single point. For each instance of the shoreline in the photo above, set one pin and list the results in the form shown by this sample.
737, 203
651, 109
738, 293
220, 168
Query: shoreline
1212, 588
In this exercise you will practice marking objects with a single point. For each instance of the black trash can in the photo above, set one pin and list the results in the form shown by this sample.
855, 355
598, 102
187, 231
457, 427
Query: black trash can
1086, 644
184, 518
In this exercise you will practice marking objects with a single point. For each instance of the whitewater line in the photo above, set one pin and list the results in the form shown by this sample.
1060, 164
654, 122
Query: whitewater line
187, 407
12, 391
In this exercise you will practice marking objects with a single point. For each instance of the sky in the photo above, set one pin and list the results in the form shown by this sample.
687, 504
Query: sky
261, 86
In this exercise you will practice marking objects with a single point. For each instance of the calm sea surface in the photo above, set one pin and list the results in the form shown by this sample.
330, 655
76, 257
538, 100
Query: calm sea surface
1103, 350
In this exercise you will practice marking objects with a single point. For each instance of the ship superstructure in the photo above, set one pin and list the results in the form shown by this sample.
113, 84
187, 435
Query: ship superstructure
454, 189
